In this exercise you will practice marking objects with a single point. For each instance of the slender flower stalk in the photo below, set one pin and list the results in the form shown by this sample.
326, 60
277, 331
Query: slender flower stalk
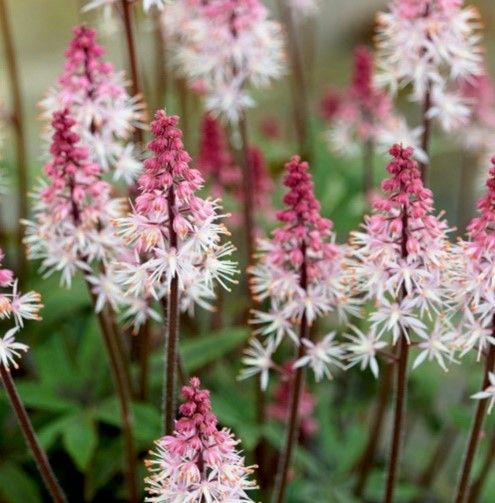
288, 11
432, 45
300, 271
17, 119
401, 265
198, 462
477, 326
365, 463
18, 308
130, 39
176, 237
477, 486
71, 233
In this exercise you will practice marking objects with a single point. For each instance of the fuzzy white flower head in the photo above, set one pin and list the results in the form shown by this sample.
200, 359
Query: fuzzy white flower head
301, 271
402, 259
488, 392
106, 115
173, 232
430, 45
222, 48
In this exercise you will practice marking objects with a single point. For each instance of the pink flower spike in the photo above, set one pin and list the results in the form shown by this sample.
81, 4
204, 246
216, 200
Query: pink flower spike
199, 461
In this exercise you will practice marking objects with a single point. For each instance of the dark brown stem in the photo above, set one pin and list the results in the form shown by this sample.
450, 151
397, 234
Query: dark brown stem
144, 360
127, 6
297, 386
160, 60
299, 88
477, 486
121, 384
172, 335
400, 401
475, 430
377, 422
17, 115
425, 138
32, 441
401, 384
247, 179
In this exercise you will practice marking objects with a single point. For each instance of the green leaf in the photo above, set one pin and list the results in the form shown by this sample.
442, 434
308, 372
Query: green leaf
16, 486
80, 439
203, 350
38, 397
54, 429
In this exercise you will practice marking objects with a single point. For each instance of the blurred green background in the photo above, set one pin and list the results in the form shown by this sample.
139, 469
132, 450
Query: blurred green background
65, 381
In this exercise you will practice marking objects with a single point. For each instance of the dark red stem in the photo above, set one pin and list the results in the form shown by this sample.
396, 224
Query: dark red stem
32, 441
474, 436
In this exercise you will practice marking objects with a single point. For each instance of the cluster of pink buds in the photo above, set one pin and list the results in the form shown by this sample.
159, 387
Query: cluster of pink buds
475, 278
198, 462
216, 162
16, 307
105, 114
364, 113
431, 45
222, 47
304, 242
173, 232
402, 259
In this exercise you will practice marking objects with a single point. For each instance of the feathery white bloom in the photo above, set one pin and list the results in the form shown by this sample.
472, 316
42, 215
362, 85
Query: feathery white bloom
489, 392
362, 349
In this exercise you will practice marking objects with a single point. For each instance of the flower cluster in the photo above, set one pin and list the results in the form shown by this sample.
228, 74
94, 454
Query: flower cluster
401, 264
172, 230
364, 113
223, 46
217, 164
215, 160
300, 271
105, 114
430, 44
475, 273
198, 462
16, 307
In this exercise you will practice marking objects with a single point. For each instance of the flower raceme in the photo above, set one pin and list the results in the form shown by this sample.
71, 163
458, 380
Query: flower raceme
105, 114
173, 231
72, 230
432, 45
223, 46
401, 263
15, 307
364, 113
474, 281
147, 4
198, 462
305, 239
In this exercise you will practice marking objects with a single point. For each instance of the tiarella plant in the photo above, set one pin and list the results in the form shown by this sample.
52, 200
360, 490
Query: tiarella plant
71, 232
401, 264
106, 115
430, 45
176, 237
198, 462
300, 272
